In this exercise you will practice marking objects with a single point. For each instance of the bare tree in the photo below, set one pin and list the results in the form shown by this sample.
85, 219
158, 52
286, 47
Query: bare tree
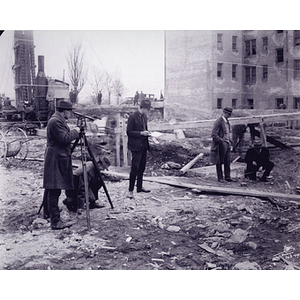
108, 82
97, 82
118, 87
77, 67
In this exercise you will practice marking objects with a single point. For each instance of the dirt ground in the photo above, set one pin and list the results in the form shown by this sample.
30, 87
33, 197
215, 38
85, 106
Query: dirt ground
171, 228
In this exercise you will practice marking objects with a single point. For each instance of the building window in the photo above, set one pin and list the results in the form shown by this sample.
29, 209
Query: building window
297, 103
219, 103
250, 47
219, 40
219, 71
233, 103
297, 68
250, 103
234, 45
279, 55
265, 43
279, 31
250, 74
279, 102
234, 71
265, 72
296, 37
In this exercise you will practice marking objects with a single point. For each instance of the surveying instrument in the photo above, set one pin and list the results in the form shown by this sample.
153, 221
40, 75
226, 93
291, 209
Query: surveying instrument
85, 147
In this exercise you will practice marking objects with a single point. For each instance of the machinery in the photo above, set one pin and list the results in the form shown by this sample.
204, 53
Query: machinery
36, 95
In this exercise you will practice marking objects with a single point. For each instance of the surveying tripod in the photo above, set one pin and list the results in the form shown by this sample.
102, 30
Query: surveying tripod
81, 123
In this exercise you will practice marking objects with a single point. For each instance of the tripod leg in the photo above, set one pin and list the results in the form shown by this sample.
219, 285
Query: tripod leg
86, 190
86, 187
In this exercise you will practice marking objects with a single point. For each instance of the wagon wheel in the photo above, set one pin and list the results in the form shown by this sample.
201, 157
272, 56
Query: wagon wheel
3, 147
17, 145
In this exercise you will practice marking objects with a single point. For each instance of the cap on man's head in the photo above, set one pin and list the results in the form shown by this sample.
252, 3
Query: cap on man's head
228, 110
145, 104
257, 143
65, 105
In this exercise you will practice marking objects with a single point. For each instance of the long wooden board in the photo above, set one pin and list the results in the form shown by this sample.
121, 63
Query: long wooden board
233, 121
211, 189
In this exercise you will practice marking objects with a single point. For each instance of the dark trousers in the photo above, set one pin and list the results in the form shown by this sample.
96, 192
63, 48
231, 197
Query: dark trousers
252, 169
76, 197
51, 204
225, 157
138, 166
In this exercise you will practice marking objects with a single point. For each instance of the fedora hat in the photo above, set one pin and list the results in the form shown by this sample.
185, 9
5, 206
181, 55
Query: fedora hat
257, 143
64, 105
145, 104
228, 110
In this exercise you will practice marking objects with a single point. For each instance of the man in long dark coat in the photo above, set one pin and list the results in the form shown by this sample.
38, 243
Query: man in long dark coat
138, 144
220, 146
58, 174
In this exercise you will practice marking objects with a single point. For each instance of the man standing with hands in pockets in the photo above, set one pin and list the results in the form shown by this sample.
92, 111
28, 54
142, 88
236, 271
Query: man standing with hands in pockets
220, 146
138, 144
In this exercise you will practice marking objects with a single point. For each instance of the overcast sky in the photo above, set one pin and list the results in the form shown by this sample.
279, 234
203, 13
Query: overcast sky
136, 55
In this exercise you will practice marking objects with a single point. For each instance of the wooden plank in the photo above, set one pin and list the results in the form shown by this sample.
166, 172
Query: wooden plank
211, 189
191, 163
233, 121
118, 138
263, 136
124, 141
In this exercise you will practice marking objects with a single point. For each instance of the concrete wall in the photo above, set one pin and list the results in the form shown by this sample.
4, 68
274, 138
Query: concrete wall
191, 81
226, 87
187, 56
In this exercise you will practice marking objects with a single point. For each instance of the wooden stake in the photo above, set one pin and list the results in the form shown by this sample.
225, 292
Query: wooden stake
191, 163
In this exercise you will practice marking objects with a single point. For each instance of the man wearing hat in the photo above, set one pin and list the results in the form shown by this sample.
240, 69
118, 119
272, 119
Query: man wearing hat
220, 146
257, 157
138, 144
58, 174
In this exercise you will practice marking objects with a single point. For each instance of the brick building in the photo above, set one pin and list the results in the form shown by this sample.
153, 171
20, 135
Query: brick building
254, 69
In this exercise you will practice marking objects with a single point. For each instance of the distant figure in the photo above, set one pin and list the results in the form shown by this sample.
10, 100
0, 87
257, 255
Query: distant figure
99, 98
136, 98
51, 109
257, 157
142, 96
161, 95
282, 106
72, 96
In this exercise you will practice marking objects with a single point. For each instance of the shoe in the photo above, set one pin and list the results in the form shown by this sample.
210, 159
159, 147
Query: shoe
222, 180
60, 225
95, 205
45, 216
263, 179
230, 180
142, 190
70, 206
130, 195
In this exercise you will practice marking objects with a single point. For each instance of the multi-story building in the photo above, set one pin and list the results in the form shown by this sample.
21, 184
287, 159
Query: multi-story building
254, 69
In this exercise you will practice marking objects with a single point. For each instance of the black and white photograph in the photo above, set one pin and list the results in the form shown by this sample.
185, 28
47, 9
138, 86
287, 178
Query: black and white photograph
150, 149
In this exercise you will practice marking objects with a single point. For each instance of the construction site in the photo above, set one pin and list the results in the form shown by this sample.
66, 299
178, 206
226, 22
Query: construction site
189, 220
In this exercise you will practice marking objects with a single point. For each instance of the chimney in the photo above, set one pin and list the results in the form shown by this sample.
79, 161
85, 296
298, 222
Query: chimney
41, 63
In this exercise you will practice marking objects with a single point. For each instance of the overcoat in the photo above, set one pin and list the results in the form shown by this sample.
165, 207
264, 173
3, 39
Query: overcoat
217, 144
136, 141
58, 172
